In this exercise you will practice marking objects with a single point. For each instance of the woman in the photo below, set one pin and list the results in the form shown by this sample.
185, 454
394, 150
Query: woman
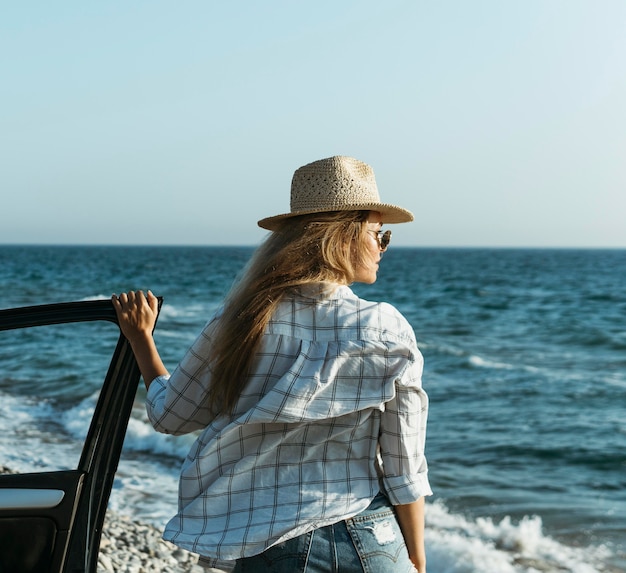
308, 399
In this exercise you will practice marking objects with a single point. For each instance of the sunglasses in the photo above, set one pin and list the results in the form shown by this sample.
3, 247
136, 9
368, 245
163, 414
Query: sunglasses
383, 238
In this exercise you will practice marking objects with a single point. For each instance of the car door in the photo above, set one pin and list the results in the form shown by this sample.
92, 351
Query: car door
51, 521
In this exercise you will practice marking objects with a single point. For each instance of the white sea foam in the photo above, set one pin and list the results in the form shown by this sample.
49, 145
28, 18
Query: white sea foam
474, 360
479, 362
26, 446
140, 436
169, 311
96, 297
456, 544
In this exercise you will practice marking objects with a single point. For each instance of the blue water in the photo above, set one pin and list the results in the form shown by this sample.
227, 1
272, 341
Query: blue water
525, 365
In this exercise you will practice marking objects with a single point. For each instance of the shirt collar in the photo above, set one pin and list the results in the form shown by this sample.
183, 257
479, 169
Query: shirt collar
325, 290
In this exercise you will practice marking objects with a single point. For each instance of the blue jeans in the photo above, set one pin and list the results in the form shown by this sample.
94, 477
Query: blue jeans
370, 542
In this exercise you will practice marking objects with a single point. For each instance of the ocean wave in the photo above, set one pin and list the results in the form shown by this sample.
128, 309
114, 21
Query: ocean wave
479, 362
29, 436
171, 312
456, 544
467, 359
96, 297
140, 435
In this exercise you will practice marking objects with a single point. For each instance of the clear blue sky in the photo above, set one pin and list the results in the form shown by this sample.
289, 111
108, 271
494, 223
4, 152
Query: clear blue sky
498, 123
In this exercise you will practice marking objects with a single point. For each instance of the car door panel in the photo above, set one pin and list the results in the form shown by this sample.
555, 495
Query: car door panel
51, 522
35, 535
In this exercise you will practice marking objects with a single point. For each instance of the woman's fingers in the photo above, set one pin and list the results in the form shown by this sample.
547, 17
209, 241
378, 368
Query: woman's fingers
136, 313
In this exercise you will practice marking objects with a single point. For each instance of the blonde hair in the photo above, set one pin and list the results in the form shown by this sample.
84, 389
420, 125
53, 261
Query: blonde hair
322, 247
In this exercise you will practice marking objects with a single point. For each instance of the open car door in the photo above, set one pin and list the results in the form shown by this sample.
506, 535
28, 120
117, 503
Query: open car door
52, 521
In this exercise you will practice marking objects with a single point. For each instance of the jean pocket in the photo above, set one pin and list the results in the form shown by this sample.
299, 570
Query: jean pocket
287, 557
379, 542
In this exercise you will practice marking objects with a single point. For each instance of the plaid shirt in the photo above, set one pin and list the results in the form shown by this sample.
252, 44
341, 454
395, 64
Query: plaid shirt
333, 412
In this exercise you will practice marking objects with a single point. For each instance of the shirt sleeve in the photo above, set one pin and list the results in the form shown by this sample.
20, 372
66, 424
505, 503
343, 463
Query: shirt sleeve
177, 404
402, 438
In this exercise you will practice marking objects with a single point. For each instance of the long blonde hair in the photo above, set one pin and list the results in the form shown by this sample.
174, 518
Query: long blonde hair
322, 247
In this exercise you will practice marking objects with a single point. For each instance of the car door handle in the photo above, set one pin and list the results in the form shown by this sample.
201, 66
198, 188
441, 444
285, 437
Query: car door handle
22, 498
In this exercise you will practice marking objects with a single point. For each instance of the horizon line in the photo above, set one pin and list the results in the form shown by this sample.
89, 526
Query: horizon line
252, 246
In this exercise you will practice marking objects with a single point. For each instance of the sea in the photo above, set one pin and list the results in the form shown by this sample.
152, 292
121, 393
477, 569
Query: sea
525, 366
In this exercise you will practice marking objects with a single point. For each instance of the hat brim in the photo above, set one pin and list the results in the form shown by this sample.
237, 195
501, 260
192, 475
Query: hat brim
390, 214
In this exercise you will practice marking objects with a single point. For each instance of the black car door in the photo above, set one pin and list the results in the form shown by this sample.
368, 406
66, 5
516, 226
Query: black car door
52, 521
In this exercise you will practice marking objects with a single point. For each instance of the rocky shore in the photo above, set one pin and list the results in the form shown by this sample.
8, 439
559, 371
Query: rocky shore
129, 546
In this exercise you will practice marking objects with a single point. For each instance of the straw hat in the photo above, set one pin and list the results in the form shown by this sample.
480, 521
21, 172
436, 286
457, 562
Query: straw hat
336, 184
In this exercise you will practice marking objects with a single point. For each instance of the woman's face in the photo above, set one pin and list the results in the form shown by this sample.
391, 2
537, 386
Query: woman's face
366, 271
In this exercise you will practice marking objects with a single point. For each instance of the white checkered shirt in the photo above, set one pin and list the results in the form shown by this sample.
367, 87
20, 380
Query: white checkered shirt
333, 412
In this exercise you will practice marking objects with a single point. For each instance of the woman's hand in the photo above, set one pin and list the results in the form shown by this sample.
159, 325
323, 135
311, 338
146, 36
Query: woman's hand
137, 316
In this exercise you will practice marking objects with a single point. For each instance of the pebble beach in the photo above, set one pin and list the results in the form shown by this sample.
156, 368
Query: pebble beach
129, 546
